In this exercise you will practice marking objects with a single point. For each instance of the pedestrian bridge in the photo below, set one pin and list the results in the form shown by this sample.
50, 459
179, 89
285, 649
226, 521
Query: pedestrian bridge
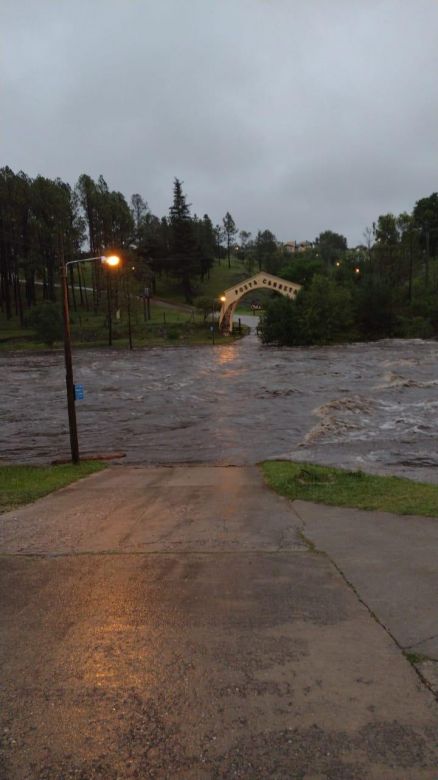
231, 297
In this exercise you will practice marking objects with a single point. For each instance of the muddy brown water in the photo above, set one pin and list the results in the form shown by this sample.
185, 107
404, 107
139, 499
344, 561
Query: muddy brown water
370, 406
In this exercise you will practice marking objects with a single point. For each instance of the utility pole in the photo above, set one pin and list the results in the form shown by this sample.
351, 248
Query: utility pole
411, 263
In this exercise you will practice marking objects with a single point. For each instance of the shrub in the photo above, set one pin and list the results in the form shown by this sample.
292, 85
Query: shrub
280, 323
414, 328
207, 305
46, 319
321, 314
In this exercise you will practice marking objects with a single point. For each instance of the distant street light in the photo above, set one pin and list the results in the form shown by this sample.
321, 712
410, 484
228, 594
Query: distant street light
112, 261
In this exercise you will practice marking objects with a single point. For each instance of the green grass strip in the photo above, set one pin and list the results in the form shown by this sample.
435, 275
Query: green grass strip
338, 487
24, 484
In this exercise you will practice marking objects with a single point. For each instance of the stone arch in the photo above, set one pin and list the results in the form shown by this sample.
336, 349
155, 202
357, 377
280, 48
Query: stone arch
231, 297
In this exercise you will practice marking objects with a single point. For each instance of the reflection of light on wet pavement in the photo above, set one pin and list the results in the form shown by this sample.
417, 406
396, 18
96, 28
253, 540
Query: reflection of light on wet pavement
236, 403
225, 354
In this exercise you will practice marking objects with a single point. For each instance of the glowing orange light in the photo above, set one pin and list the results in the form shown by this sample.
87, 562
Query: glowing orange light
357, 270
223, 299
112, 260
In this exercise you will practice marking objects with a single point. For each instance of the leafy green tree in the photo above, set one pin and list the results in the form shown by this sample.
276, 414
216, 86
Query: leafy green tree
328, 313
425, 218
330, 246
386, 230
246, 252
375, 309
321, 314
245, 237
87, 195
55, 227
266, 251
219, 235
15, 239
302, 270
387, 247
206, 241
281, 323
139, 211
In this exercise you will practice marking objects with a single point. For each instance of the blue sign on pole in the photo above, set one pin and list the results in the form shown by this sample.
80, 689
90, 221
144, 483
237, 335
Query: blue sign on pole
79, 392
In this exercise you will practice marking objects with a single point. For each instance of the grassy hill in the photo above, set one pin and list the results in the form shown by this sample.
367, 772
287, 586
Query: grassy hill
220, 278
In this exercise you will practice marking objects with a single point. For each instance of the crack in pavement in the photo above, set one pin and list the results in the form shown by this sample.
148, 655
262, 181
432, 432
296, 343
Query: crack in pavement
371, 612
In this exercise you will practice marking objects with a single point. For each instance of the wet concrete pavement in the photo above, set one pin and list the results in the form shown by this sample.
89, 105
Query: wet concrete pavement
175, 623
391, 561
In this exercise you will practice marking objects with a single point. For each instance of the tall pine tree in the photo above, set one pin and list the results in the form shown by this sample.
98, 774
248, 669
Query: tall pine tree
184, 250
230, 231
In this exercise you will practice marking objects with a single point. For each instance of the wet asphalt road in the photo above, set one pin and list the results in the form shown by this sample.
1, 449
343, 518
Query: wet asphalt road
175, 623
369, 406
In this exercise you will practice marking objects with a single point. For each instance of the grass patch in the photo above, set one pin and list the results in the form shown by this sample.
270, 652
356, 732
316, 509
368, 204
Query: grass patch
416, 658
167, 327
338, 487
24, 484
172, 332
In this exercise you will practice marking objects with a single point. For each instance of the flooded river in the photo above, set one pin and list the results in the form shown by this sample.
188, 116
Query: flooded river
370, 406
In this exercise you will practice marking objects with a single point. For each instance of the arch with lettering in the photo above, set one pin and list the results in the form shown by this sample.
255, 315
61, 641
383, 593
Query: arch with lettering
231, 297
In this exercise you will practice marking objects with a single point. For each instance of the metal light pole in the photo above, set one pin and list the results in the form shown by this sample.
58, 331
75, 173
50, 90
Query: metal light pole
74, 444
113, 261
128, 298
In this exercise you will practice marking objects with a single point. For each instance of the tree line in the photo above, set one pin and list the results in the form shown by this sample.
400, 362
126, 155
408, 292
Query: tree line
45, 222
385, 287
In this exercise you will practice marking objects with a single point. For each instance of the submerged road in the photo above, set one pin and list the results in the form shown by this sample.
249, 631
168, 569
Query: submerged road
371, 406
185, 622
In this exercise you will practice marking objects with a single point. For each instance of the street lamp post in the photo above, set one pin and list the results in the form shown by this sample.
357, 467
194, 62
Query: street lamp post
128, 299
112, 261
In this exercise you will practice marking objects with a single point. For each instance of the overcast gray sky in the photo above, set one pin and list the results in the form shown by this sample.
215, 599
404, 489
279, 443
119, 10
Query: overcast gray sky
295, 115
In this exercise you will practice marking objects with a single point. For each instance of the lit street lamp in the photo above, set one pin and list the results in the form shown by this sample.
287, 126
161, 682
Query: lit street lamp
111, 261
213, 318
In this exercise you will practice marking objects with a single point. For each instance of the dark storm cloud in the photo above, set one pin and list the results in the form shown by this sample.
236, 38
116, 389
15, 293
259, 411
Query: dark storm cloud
294, 116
